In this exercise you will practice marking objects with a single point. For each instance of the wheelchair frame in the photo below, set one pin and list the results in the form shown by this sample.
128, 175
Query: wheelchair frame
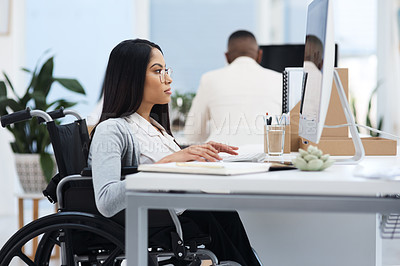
60, 228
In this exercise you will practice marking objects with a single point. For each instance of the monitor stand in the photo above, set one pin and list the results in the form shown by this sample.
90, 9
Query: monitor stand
358, 147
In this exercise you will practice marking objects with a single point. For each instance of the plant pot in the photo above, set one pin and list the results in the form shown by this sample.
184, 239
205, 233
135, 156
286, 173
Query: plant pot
30, 173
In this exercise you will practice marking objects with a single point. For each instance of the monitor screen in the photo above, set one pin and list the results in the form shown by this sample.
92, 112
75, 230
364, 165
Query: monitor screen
318, 65
278, 57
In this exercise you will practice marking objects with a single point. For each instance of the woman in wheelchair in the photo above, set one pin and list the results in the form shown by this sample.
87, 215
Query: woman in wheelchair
134, 128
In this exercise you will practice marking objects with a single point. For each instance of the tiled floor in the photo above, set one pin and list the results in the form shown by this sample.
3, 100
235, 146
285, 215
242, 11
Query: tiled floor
9, 225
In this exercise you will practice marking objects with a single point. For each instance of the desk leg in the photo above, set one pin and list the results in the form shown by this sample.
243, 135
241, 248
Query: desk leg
136, 233
21, 216
35, 217
378, 242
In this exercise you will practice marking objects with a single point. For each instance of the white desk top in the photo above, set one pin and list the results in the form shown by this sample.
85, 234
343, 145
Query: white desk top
336, 180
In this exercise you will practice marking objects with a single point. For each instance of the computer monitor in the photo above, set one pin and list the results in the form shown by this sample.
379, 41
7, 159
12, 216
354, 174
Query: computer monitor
319, 54
279, 56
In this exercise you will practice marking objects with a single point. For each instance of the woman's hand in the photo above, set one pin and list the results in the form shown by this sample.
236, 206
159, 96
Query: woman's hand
224, 148
203, 153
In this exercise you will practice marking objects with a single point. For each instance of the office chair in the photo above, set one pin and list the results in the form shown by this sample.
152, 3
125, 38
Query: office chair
84, 236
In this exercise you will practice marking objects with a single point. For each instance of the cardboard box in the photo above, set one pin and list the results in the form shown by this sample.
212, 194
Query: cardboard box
336, 141
345, 146
334, 116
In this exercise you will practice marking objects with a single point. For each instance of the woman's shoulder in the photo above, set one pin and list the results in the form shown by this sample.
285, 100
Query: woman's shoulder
112, 126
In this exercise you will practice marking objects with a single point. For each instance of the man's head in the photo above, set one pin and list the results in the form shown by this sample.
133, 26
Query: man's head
314, 51
243, 43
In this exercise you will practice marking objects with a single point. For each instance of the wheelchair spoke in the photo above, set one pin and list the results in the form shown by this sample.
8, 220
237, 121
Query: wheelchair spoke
54, 241
62, 229
67, 242
45, 247
110, 260
25, 258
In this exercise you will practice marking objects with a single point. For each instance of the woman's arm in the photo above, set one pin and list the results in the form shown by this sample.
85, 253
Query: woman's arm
202, 153
106, 152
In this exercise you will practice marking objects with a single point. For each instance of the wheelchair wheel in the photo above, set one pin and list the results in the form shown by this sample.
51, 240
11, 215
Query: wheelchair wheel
85, 238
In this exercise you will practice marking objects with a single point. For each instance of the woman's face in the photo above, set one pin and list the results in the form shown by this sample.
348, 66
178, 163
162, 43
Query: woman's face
155, 91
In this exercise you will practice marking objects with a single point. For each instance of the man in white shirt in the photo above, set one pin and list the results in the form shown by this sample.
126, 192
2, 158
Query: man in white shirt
231, 101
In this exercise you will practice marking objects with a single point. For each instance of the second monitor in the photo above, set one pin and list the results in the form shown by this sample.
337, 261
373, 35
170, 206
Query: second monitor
277, 57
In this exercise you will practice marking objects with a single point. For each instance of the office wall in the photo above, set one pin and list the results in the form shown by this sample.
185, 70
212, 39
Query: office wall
295, 20
389, 65
193, 34
12, 56
81, 35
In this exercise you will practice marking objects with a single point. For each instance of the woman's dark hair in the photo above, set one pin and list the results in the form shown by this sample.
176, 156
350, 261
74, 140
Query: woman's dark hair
124, 80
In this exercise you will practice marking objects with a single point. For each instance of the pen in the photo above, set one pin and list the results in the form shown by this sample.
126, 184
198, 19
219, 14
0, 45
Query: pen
282, 119
286, 119
278, 119
268, 119
199, 165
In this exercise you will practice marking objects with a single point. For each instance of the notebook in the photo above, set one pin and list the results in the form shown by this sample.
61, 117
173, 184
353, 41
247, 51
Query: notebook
292, 87
245, 157
211, 168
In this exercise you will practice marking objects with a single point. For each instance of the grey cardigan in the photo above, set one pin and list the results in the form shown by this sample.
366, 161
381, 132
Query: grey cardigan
113, 146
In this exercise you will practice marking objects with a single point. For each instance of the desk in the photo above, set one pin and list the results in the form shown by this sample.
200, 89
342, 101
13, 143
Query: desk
333, 190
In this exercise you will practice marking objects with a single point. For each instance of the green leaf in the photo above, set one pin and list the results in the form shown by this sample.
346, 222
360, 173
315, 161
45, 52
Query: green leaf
71, 84
39, 98
45, 78
369, 108
3, 89
9, 82
21, 132
15, 147
380, 123
47, 164
354, 110
11, 103
29, 136
26, 70
186, 99
62, 103
33, 81
368, 121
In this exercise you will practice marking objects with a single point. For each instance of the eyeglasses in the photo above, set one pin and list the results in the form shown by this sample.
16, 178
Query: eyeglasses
163, 73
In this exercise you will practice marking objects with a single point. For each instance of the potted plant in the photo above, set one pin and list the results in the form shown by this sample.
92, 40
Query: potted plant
368, 121
30, 137
181, 103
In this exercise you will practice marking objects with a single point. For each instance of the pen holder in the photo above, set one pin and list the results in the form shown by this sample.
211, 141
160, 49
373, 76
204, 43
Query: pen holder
275, 139
287, 136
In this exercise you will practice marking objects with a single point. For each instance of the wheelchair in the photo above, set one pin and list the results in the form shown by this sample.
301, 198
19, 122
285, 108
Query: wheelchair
84, 236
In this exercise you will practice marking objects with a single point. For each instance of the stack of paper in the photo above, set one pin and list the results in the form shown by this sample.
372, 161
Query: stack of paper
211, 168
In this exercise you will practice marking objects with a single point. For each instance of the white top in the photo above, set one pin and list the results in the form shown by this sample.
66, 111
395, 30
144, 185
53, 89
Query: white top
153, 144
231, 101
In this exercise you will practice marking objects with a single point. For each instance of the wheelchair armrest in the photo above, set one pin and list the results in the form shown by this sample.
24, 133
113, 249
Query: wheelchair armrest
87, 171
126, 170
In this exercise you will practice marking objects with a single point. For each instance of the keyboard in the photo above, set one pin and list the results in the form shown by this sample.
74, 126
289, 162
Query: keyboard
245, 157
